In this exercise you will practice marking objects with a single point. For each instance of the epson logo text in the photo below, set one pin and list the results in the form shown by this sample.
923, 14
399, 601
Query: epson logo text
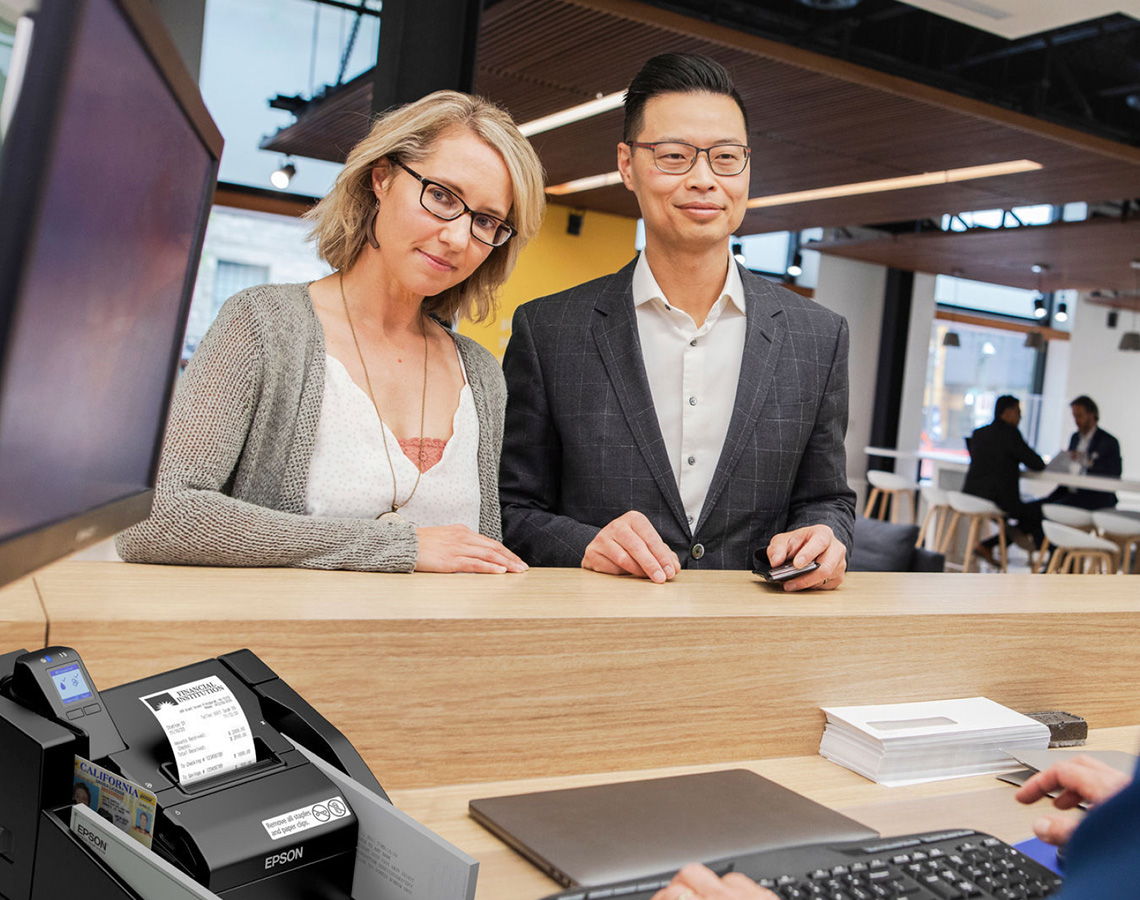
91, 837
288, 856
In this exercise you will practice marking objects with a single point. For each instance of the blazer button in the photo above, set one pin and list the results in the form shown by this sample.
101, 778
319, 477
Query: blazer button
698, 551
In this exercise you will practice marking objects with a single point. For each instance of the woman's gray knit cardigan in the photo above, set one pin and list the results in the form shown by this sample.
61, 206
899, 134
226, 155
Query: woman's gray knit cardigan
235, 462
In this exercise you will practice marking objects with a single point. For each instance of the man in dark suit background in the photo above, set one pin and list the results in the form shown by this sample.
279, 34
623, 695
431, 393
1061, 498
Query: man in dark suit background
997, 452
1096, 450
681, 412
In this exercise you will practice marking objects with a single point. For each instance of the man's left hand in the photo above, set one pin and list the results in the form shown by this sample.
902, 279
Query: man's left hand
800, 547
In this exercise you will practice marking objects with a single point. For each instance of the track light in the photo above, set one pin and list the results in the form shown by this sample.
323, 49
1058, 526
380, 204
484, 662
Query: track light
280, 179
1062, 313
796, 269
1039, 310
738, 254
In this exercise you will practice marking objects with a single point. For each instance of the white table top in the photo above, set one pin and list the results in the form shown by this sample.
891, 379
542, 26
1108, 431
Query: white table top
946, 460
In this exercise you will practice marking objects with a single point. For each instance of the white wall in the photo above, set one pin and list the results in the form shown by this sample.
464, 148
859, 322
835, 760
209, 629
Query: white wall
855, 290
1108, 375
917, 360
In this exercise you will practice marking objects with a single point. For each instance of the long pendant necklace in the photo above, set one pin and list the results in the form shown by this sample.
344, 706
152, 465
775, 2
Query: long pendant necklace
383, 432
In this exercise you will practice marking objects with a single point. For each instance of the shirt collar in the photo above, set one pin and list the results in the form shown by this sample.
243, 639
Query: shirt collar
645, 287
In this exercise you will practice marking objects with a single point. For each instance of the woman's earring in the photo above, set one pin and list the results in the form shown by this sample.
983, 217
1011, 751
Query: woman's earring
370, 230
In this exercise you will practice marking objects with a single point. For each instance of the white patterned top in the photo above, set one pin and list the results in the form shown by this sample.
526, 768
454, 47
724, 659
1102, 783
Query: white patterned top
349, 475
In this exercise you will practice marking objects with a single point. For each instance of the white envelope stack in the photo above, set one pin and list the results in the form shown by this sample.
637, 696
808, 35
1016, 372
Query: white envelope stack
908, 743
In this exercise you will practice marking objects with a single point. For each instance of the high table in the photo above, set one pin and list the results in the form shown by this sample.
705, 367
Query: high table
957, 463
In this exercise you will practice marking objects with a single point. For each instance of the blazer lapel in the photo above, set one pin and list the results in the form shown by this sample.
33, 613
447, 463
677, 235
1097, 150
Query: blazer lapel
764, 335
616, 336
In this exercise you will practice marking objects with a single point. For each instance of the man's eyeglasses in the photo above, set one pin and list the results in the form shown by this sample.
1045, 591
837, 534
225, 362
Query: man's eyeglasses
677, 158
444, 204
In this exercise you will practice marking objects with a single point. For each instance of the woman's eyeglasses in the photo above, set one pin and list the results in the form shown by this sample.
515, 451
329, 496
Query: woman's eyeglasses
445, 204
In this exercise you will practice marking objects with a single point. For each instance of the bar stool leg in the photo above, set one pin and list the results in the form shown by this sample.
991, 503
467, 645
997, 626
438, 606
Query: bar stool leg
1056, 561
1040, 564
871, 498
1001, 541
950, 532
926, 524
971, 540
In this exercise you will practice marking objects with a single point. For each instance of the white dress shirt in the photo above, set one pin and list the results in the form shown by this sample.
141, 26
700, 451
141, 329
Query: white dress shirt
693, 374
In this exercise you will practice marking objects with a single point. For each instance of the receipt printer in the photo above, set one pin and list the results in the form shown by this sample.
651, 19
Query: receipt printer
258, 829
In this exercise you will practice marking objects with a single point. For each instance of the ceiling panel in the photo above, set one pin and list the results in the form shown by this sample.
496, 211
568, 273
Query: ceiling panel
1096, 254
816, 121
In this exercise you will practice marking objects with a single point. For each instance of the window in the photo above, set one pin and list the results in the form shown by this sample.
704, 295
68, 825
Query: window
231, 277
255, 50
963, 383
244, 248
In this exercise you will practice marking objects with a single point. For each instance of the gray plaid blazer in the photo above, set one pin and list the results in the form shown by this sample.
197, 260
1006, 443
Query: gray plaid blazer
582, 444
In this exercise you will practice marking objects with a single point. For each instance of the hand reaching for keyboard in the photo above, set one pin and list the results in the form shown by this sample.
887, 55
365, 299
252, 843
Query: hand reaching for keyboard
1081, 779
695, 882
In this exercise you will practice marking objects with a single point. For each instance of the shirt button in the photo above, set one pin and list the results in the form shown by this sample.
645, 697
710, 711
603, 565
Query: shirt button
693, 342
698, 551
692, 401
690, 518
692, 460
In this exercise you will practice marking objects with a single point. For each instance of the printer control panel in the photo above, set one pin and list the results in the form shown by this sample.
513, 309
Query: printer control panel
55, 682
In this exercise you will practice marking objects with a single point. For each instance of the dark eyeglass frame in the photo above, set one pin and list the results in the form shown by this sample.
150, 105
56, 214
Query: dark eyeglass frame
427, 182
697, 155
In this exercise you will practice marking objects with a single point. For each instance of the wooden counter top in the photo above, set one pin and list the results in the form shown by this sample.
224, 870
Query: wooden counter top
444, 679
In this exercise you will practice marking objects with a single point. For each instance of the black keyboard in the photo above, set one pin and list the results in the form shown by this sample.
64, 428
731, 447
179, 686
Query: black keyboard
936, 865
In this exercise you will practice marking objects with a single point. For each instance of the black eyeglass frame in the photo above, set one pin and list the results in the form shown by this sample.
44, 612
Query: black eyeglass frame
653, 145
427, 182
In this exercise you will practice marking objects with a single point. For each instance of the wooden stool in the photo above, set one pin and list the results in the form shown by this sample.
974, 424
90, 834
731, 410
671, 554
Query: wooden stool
1124, 531
891, 488
979, 511
1073, 516
938, 512
1075, 549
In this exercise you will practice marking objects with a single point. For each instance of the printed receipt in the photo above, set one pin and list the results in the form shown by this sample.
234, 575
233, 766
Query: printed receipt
206, 727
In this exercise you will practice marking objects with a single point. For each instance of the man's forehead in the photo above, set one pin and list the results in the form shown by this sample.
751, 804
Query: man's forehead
675, 114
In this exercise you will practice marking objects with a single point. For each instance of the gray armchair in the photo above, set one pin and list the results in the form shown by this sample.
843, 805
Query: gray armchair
889, 547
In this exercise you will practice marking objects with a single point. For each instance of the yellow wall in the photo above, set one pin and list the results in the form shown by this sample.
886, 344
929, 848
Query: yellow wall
554, 261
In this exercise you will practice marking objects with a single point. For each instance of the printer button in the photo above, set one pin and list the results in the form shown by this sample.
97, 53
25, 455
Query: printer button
74, 713
91, 709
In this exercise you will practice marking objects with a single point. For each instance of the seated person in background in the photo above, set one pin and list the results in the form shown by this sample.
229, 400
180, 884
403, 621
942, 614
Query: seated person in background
343, 424
682, 412
1102, 855
1098, 453
997, 451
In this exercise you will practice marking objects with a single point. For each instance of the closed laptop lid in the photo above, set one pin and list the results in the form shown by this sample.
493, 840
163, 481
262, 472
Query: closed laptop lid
614, 832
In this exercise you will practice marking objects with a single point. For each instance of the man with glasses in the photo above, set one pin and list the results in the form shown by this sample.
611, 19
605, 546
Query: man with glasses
681, 412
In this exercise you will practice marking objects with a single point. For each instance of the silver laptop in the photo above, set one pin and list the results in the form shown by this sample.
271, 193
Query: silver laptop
633, 829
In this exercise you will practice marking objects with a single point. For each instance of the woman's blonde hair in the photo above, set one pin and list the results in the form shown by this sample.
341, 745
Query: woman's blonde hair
409, 133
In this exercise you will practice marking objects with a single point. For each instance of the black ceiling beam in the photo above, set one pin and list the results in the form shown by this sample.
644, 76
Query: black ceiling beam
1057, 38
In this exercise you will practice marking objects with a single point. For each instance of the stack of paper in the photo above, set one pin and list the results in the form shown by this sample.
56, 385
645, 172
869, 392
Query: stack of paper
907, 743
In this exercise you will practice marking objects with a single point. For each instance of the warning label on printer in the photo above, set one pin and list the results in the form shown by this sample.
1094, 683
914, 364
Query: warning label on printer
206, 727
306, 817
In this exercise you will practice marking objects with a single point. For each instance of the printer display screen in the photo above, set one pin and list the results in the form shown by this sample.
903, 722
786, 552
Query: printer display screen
70, 683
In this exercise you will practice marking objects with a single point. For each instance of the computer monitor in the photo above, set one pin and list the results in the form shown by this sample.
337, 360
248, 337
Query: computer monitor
107, 174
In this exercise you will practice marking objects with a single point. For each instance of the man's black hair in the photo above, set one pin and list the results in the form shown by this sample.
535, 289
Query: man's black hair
676, 73
1004, 402
1088, 404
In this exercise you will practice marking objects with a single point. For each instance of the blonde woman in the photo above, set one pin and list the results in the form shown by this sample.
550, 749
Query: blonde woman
343, 424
